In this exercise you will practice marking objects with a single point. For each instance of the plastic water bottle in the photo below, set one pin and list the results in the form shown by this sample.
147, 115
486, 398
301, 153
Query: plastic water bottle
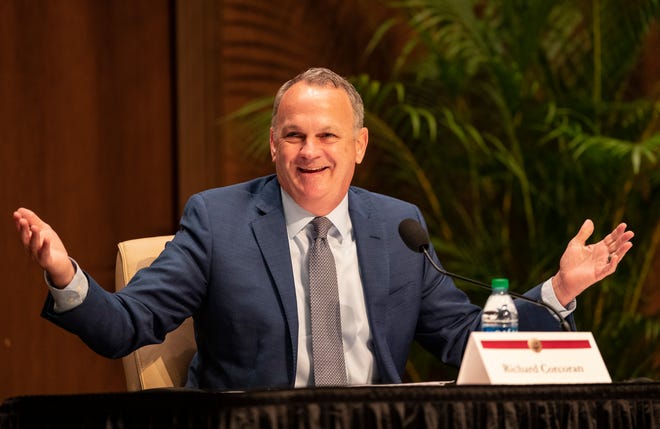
500, 312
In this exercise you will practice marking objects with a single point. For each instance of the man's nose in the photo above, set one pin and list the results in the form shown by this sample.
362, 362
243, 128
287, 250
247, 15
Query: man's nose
310, 146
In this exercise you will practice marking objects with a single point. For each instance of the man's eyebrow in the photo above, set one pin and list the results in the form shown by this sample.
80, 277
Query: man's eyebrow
290, 127
295, 128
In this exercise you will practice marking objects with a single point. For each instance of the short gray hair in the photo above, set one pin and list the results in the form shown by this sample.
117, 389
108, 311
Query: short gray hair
320, 76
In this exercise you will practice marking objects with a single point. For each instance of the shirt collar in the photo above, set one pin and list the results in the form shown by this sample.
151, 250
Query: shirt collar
297, 218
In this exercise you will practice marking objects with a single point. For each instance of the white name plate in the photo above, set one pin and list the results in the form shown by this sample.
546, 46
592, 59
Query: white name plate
532, 358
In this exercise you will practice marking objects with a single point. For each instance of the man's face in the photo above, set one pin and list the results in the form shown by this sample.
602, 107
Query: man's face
315, 146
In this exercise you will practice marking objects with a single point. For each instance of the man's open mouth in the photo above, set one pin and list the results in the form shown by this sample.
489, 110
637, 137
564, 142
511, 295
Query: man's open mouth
311, 170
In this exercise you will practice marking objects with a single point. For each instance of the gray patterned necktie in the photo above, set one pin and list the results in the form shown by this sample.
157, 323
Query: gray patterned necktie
327, 347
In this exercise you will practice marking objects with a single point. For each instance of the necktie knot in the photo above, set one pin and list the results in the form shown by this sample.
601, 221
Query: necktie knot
321, 226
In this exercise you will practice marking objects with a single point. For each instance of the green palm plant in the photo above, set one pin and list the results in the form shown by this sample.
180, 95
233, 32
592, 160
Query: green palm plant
509, 122
516, 121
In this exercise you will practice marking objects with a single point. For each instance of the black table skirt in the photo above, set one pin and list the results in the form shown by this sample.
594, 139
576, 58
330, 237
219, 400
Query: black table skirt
619, 405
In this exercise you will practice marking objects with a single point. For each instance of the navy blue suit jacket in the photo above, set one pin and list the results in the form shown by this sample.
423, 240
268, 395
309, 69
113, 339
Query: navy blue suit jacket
229, 267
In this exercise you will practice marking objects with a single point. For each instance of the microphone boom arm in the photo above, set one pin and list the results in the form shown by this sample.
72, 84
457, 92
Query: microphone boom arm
562, 321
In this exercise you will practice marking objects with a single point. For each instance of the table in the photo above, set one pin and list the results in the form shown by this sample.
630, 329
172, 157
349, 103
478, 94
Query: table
617, 405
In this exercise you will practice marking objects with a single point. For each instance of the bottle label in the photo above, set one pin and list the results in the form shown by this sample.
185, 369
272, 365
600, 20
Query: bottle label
499, 328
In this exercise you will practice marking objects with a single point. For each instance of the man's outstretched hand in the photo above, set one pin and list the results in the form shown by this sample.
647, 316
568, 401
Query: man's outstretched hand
583, 264
44, 246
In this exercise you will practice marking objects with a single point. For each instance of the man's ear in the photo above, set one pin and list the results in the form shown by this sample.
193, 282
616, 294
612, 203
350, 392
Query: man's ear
361, 145
273, 145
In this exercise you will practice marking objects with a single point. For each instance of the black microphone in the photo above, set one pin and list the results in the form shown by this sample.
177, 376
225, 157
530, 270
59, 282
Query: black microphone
417, 240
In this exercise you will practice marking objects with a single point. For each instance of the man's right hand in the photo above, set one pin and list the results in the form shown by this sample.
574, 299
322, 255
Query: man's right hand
45, 247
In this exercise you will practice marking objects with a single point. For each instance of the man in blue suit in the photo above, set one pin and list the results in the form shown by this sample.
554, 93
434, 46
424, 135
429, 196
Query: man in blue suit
238, 265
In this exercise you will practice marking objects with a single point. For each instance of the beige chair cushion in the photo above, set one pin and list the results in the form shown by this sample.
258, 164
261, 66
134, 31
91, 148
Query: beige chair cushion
157, 365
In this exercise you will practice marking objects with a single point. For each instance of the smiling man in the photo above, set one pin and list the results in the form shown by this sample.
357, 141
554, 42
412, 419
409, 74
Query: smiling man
290, 274
316, 140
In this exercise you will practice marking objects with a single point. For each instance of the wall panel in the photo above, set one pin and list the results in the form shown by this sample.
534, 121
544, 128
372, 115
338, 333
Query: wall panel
86, 141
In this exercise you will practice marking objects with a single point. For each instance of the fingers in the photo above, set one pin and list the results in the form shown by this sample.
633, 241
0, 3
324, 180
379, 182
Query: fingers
609, 265
37, 242
22, 226
585, 232
618, 254
33, 232
27, 214
26, 220
23, 230
613, 261
619, 238
617, 244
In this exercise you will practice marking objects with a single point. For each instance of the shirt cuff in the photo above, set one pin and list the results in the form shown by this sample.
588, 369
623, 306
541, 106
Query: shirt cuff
548, 296
72, 295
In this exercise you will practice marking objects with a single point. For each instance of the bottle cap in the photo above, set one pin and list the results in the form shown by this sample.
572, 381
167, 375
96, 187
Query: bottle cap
500, 284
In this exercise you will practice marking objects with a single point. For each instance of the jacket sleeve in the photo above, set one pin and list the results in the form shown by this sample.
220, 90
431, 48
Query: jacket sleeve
157, 300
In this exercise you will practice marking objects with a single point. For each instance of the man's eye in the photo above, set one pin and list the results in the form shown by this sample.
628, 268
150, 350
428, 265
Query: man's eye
328, 136
294, 137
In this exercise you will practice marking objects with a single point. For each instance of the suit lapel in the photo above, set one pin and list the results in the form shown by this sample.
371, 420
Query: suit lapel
374, 264
271, 235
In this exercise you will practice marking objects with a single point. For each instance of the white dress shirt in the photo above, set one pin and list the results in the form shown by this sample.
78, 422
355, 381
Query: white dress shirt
356, 334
